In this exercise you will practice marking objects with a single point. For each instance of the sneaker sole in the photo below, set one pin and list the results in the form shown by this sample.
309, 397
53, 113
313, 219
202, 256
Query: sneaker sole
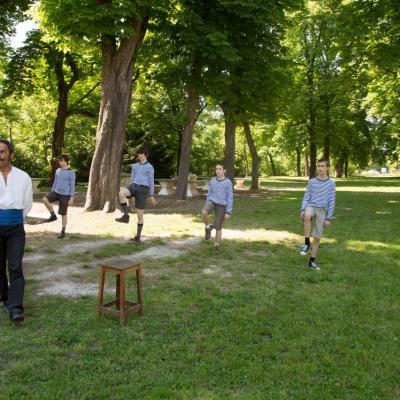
302, 253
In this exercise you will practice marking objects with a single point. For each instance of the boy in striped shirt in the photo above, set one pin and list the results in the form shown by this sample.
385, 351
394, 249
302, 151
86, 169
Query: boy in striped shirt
219, 200
318, 204
141, 189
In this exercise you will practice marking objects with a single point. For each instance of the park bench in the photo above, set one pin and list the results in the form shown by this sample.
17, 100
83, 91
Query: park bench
35, 184
168, 186
239, 183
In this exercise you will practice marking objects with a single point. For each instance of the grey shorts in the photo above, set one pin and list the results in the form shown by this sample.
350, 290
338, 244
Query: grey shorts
319, 215
140, 193
219, 209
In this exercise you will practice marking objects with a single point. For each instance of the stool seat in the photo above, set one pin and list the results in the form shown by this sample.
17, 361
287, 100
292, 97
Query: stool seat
123, 307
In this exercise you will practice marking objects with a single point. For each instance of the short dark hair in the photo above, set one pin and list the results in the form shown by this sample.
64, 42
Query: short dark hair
143, 150
325, 160
8, 144
221, 164
65, 158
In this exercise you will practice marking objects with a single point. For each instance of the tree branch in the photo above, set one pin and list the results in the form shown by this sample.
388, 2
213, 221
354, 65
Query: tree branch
85, 95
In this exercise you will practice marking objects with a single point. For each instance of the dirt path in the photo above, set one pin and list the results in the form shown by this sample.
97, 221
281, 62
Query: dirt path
57, 279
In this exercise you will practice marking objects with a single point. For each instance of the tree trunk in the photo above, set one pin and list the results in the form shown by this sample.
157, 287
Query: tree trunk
273, 168
339, 167
346, 167
306, 164
57, 139
327, 146
230, 144
117, 76
311, 110
298, 161
313, 145
179, 151
63, 88
255, 159
186, 147
327, 137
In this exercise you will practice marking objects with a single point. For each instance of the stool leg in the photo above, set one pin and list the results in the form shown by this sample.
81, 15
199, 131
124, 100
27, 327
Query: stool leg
122, 299
117, 290
101, 291
139, 288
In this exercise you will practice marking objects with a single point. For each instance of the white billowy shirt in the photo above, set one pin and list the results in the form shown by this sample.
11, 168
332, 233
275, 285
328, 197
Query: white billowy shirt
17, 194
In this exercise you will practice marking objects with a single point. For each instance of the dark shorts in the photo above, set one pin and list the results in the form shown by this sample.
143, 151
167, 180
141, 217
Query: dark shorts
62, 201
219, 213
140, 193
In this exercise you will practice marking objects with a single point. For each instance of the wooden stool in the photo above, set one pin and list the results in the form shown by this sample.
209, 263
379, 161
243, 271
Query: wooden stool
123, 307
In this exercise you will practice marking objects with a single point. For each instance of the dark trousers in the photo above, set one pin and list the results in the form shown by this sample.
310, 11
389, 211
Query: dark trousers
12, 244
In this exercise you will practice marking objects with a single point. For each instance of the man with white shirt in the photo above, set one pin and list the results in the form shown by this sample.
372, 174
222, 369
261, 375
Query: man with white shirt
15, 203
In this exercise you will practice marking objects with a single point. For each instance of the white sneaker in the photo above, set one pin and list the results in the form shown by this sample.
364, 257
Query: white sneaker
304, 249
314, 265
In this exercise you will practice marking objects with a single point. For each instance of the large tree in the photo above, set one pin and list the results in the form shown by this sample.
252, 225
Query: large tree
39, 64
118, 28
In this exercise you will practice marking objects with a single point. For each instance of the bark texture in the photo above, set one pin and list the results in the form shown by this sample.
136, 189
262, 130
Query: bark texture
230, 141
117, 77
255, 158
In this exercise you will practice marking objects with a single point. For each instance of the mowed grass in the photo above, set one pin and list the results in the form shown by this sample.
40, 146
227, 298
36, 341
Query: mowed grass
251, 323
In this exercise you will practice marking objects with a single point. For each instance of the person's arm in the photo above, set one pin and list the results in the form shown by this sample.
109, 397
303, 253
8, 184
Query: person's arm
72, 180
151, 180
229, 199
306, 198
28, 198
209, 190
133, 173
53, 188
331, 202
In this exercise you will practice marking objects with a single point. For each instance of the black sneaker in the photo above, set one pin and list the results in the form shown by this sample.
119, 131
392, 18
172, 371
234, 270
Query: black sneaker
135, 239
304, 250
16, 317
314, 265
216, 250
61, 235
207, 234
124, 219
52, 218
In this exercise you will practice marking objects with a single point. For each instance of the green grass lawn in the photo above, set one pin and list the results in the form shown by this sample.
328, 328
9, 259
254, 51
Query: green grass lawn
251, 323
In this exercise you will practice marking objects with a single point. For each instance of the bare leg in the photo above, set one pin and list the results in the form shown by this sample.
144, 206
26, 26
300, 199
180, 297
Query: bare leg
64, 220
140, 214
307, 225
315, 247
218, 235
205, 216
48, 205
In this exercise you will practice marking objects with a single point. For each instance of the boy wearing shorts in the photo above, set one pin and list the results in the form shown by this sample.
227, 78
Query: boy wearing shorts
318, 205
219, 200
140, 188
63, 191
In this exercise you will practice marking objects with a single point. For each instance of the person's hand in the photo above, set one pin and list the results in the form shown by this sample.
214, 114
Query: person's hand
152, 200
302, 215
227, 216
71, 201
327, 223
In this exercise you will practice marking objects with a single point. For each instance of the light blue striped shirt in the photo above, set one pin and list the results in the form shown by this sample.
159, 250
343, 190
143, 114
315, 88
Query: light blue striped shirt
220, 192
143, 174
320, 193
64, 182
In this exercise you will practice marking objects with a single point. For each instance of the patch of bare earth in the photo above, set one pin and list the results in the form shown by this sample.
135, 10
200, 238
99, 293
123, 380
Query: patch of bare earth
57, 279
